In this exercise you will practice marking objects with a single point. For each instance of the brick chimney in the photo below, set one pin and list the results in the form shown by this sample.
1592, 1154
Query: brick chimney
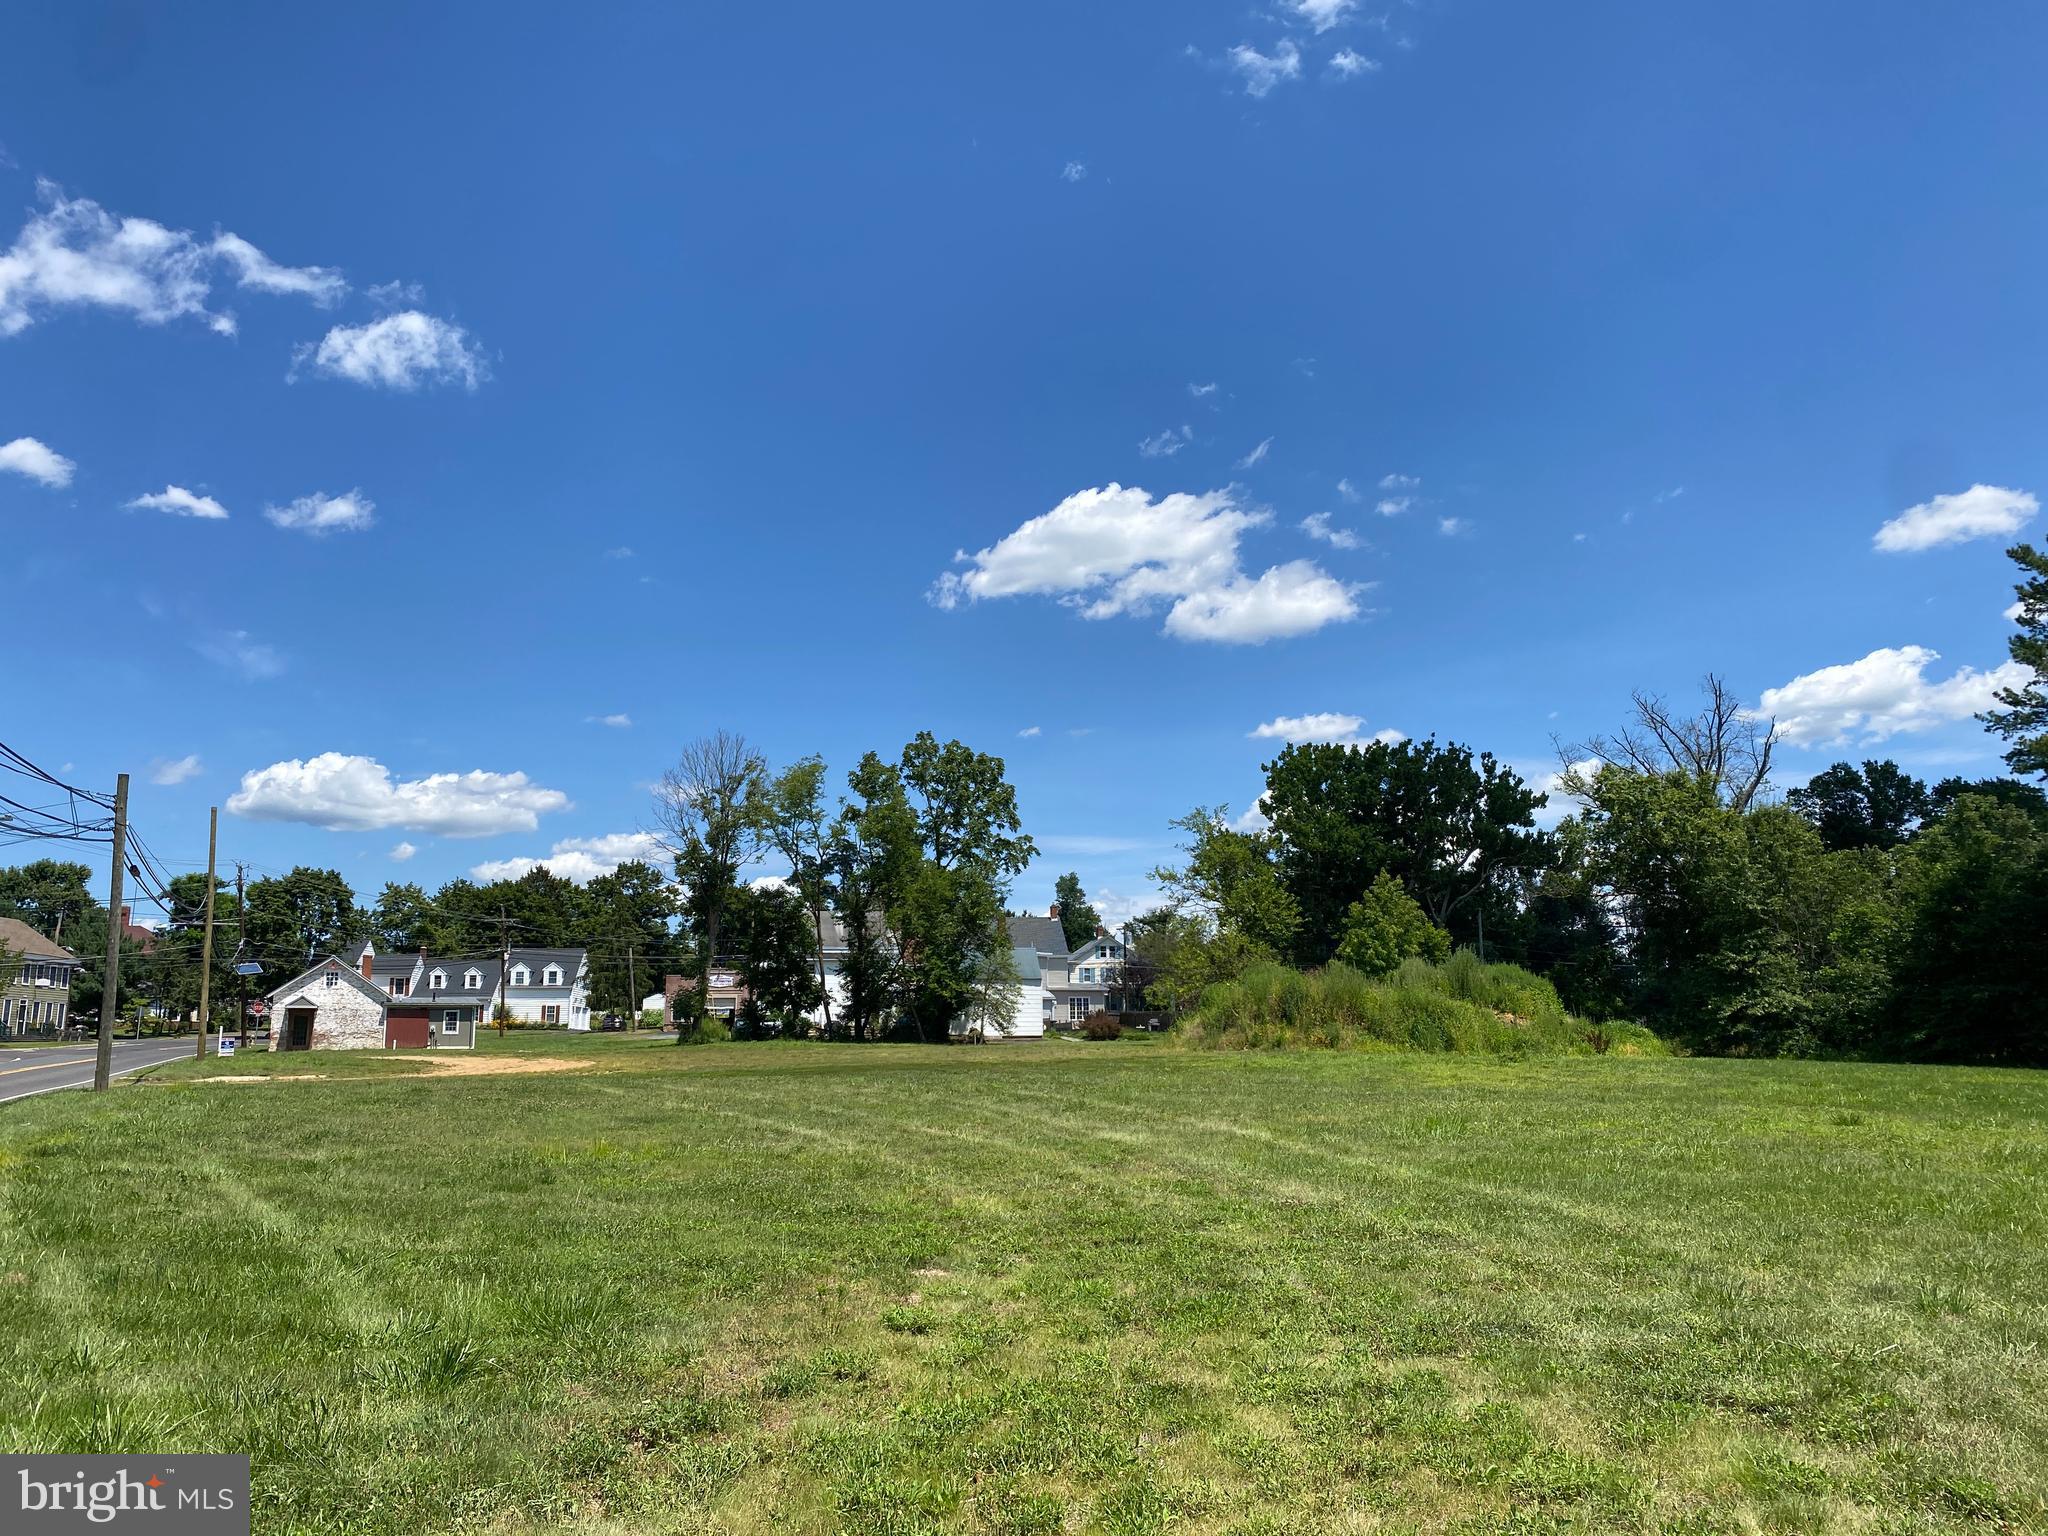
368, 956
126, 921
1054, 912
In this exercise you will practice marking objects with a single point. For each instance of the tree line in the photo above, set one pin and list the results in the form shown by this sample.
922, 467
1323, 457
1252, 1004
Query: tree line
912, 863
1864, 913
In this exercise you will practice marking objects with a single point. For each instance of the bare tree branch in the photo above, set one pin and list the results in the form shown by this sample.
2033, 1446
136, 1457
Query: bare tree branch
1723, 744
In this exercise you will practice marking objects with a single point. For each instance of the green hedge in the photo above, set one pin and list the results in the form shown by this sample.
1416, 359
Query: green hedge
1462, 1005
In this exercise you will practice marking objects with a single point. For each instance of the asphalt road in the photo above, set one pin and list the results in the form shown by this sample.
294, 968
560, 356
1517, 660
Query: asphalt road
43, 1068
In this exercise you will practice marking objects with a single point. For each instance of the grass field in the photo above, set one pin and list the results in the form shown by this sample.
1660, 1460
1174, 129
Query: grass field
1034, 1288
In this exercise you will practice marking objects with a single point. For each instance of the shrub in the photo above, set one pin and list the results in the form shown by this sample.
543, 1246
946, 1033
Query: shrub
1388, 926
1459, 1005
703, 1029
1101, 1026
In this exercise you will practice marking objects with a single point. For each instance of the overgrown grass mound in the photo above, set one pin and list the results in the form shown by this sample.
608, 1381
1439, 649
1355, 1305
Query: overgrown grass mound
1462, 1005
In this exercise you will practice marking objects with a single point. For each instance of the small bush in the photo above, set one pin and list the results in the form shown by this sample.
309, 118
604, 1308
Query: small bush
1460, 1005
1101, 1026
704, 1029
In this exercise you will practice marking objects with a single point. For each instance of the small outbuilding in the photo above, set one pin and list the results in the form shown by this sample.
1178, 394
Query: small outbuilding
328, 1008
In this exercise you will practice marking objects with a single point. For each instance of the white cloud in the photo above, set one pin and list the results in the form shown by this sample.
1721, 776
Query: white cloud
1074, 170
1089, 844
1322, 14
236, 650
1164, 445
174, 770
1117, 907
1292, 599
617, 722
27, 456
2012, 614
619, 552
1983, 511
1348, 491
1029, 730
253, 269
72, 253
320, 514
1328, 726
345, 793
1262, 71
1256, 455
581, 859
1253, 818
1451, 527
179, 502
1399, 482
1348, 64
1201, 391
396, 294
1114, 550
399, 351
1393, 506
1884, 694
401, 852
1317, 525
1550, 782
1664, 496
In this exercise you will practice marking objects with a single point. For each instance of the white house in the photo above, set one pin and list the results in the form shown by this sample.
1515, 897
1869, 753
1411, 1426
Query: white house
550, 987
369, 1001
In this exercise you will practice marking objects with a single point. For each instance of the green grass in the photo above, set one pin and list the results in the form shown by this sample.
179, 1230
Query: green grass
1041, 1288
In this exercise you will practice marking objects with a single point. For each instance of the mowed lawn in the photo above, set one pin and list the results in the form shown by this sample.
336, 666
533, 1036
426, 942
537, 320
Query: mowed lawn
1047, 1287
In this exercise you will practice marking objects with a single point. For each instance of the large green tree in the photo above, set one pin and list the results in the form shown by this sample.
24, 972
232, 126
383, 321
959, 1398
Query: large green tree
169, 974
2024, 719
770, 935
1449, 825
1876, 806
50, 895
933, 842
1230, 880
403, 919
791, 817
1078, 919
294, 919
1745, 933
626, 925
1973, 949
704, 808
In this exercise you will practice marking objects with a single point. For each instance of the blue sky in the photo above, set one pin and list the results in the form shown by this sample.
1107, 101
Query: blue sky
658, 363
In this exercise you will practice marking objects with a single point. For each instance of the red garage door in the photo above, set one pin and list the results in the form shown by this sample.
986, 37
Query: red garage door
406, 1027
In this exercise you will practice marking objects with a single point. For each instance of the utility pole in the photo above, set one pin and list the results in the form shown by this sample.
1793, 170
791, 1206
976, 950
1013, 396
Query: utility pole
206, 943
504, 971
632, 995
241, 981
103, 1065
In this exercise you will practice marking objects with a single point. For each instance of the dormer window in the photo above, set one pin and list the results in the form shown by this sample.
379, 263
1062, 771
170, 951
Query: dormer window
471, 980
551, 977
521, 977
438, 981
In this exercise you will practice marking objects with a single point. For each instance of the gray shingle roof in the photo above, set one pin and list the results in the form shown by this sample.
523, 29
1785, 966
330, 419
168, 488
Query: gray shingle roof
1042, 934
455, 992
